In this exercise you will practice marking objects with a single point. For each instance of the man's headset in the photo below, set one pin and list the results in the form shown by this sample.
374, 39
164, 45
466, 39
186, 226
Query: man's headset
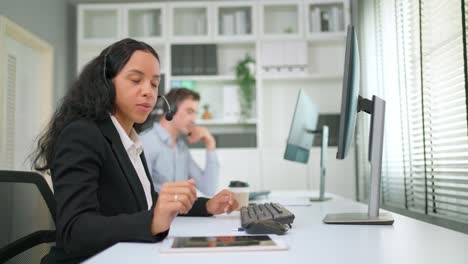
170, 110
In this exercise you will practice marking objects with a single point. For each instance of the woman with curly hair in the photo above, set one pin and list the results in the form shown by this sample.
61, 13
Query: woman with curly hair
103, 190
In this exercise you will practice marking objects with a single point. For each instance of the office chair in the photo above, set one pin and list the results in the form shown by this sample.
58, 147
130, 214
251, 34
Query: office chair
17, 203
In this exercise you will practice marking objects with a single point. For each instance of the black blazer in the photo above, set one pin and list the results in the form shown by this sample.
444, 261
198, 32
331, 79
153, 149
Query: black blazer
100, 200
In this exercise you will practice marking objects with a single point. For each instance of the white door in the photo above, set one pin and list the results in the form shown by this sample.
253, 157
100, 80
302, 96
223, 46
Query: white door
25, 107
23, 103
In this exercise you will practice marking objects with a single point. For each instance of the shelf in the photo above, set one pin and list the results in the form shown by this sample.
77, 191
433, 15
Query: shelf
327, 36
325, 2
302, 77
301, 54
232, 40
222, 122
204, 78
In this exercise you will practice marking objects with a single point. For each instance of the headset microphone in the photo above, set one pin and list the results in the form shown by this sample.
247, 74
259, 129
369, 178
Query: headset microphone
170, 110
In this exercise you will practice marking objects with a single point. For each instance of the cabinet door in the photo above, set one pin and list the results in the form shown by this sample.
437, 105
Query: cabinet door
235, 22
99, 23
145, 22
191, 22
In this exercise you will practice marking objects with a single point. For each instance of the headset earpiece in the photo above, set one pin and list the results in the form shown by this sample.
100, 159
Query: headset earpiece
108, 81
170, 109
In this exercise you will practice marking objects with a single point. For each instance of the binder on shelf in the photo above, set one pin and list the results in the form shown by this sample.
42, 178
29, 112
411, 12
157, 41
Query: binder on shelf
157, 24
315, 26
200, 25
211, 64
198, 57
228, 24
147, 24
187, 66
223, 26
241, 22
336, 19
179, 28
194, 59
325, 20
176, 60
311, 20
162, 85
231, 105
340, 19
332, 21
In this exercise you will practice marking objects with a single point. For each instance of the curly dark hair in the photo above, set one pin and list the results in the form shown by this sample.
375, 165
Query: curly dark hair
91, 96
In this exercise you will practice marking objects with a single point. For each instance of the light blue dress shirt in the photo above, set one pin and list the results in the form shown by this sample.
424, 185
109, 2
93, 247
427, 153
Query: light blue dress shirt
168, 163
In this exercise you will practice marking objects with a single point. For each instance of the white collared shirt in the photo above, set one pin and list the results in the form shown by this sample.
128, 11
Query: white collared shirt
134, 149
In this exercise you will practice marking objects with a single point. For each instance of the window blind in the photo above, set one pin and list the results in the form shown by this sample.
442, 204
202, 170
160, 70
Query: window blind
404, 141
444, 110
421, 65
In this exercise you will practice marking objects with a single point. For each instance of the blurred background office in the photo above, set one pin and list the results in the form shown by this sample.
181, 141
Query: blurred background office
248, 60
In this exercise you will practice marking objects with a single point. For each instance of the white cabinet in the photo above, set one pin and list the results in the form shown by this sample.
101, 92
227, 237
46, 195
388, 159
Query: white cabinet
302, 41
100, 25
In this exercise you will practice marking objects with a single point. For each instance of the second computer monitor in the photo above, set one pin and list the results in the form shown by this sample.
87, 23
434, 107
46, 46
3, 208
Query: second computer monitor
301, 136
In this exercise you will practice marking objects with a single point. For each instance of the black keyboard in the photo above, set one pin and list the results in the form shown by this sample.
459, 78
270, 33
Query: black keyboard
268, 211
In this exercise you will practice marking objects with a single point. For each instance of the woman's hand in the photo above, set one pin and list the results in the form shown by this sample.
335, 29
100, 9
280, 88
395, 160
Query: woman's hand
174, 198
222, 202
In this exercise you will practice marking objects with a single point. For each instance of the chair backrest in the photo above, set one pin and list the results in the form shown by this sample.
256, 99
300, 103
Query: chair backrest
27, 221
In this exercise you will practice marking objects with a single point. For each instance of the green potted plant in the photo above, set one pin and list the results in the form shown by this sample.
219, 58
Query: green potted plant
245, 77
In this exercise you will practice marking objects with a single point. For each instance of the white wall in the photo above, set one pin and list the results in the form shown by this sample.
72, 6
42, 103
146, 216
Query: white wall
52, 21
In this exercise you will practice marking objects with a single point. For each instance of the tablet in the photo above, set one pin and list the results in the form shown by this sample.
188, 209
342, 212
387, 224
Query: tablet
222, 243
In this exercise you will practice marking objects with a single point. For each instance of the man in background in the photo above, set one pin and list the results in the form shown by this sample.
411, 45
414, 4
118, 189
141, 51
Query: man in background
167, 154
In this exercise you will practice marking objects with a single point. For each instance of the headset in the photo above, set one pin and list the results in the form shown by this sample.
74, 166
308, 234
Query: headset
170, 110
104, 72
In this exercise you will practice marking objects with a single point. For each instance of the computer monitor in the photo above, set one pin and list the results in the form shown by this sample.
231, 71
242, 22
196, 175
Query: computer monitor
351, 104
301, 137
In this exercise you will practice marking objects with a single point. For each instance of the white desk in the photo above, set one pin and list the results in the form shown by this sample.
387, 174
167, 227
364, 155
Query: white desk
311, 241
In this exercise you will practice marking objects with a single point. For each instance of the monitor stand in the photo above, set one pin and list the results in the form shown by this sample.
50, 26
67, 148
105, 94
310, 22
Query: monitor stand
376, 108
323, 166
